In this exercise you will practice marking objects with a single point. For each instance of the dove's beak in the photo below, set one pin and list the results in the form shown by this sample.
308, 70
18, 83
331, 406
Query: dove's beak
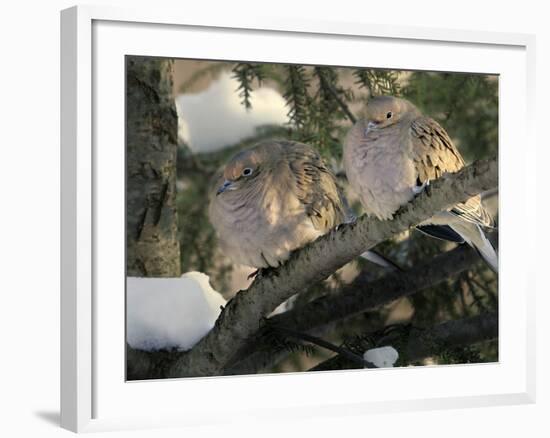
226, 186
370, 127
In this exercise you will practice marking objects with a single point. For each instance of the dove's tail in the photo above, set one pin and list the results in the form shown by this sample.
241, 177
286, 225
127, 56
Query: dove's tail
485, 249
381, 260
475, 237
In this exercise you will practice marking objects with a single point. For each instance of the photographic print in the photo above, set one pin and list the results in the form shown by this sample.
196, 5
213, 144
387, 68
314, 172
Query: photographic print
298, 218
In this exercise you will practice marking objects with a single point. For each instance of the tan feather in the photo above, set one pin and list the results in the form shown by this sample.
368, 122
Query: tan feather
473, 211
315, 186
288, 199
433, 151
435, 154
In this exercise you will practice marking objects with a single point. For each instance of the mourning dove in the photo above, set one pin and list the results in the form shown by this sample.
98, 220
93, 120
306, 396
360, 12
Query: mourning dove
274, 198
392, 154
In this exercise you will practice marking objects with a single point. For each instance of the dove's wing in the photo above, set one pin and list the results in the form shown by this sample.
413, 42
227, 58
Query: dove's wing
434, 154
433, 151
315, 186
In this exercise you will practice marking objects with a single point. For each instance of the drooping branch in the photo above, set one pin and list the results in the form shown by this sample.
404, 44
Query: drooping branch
432, 341
330, 87
304, 337
244, 314
357, 297
296, 95
246, 73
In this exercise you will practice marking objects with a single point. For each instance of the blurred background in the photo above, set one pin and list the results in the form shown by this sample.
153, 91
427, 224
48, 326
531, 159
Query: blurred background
224, 107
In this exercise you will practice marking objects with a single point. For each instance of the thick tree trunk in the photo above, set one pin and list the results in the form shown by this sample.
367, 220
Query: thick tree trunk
151, 129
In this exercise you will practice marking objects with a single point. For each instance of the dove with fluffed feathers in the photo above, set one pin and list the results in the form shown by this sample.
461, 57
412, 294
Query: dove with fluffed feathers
273, 199
391, 155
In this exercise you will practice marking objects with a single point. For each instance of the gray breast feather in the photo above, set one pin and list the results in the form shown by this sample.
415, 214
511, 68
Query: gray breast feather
382, 172
263, 234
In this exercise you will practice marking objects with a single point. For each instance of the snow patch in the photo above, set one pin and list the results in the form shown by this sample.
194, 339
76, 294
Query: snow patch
170, 312
215, 117
383, 357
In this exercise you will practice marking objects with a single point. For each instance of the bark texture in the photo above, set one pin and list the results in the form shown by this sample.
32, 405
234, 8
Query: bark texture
245, 313
151, 145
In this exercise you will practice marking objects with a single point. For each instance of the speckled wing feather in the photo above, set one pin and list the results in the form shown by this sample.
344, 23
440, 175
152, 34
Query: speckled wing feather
433, 151
315, 186
434, 154
473, 211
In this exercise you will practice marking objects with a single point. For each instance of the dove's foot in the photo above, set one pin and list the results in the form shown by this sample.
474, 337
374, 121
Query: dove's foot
421, 187
349, 221
261, 272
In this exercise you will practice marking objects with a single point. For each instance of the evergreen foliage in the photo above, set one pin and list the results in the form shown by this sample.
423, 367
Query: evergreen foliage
246, 74
378, 82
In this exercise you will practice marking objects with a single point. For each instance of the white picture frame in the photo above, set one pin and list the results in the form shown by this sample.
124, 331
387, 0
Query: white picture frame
93, 395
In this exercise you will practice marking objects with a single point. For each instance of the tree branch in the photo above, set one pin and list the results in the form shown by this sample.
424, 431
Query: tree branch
432, 341
357, 297
349, 355
245, 313
337, 97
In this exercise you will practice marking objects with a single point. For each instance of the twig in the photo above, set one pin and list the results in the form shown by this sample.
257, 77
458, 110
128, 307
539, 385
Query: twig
434, 340
336, 97
324, 344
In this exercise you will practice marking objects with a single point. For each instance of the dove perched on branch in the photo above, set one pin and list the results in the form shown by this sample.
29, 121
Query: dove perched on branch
274, 198
392, 154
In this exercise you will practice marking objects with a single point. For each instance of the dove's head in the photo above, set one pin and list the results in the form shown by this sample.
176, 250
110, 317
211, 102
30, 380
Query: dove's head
246, 168
384, 111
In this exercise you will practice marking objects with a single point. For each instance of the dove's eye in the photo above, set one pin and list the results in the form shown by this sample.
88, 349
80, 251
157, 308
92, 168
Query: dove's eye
247, 171
389, 115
